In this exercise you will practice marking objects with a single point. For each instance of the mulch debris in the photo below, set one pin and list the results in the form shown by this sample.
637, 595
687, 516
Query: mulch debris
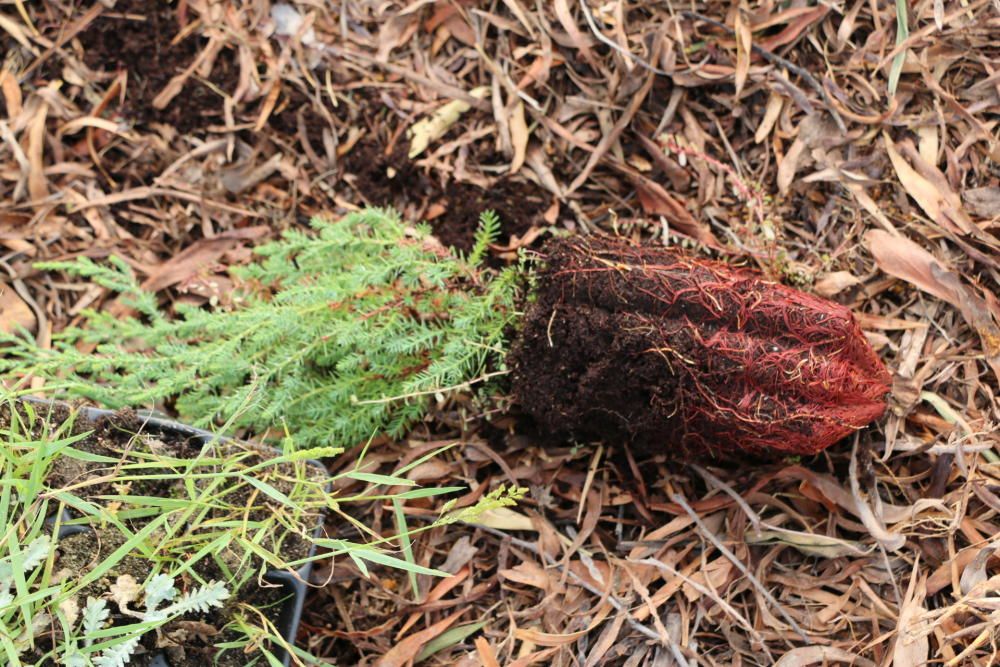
824, 145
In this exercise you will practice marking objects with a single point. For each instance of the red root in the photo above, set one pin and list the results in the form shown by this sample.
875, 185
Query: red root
674, 352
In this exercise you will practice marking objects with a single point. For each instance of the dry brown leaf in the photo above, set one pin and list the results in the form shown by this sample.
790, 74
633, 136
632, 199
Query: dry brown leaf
531, 573
912, 648
812, 655
975, 572
438, 592
197, 256
522, 16
14, 312
951, 204
713, 576
744, 42
799, 18
900, 257
504, 518
398, 30
535, 658
774, 105
405, 651
10, 90
918, 187
869, 204
929, 190
657, 201
836, 282
519, 135
581, 41
15, 31
790, 164
486, 655
928, 143
941, 578
540, 638
37, 183
810, 543
983, 202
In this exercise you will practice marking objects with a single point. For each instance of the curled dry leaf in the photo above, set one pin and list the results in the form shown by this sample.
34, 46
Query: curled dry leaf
905, 259
836, 282
812, 655
912, 648
975, 572
15, 314
983, 202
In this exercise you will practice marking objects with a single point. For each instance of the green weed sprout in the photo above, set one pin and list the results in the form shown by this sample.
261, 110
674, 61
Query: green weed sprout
227, 505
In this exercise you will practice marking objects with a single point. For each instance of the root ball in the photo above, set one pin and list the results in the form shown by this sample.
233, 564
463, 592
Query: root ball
680, 354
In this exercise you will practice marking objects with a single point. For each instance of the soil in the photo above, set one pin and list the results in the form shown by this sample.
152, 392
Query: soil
189, 641
185, 642
286, 119
123, 432
681, 355
393, 180
136, 36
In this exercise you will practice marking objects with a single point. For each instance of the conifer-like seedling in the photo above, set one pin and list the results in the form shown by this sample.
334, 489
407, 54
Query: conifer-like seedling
338, 334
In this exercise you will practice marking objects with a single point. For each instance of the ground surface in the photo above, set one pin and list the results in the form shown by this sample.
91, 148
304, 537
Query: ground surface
822, 143
190, 640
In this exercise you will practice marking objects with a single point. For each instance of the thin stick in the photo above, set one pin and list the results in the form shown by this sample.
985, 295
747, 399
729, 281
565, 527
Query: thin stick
619, 606
679, 499
614, 45
778, 60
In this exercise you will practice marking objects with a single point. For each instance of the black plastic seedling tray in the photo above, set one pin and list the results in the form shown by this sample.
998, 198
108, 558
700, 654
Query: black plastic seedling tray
293, 584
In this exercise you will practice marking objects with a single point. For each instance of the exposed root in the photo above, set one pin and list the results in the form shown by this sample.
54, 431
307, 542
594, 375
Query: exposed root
666, 349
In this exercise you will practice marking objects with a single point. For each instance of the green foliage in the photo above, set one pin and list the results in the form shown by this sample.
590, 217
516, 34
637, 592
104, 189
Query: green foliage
228, 505
338, 335
42, 609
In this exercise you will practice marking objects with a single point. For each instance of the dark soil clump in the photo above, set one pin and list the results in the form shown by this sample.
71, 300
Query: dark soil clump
188, 641
136, 36
101, 470
123, 436
519, 204
678, 354
294, 103
387, 179
393, 180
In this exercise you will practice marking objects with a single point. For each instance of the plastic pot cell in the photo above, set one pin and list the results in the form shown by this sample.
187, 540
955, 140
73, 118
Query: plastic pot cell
293, 585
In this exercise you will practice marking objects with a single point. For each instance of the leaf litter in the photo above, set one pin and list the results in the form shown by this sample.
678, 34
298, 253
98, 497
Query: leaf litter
850, 150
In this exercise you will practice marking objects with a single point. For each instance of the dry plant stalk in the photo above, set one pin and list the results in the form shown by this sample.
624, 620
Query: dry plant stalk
662, 348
